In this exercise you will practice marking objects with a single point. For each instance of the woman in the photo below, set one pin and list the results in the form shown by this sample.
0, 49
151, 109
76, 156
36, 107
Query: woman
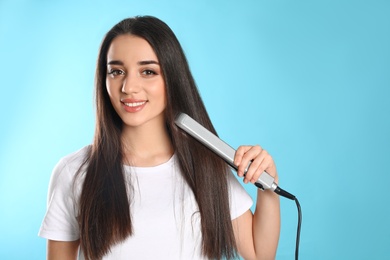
144, 189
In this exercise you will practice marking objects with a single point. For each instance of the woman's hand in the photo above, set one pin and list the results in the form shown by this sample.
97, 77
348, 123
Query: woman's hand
261, 161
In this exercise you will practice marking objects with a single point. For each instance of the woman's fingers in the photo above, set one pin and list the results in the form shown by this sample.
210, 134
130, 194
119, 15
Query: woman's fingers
259, 165
244, 155
260, 161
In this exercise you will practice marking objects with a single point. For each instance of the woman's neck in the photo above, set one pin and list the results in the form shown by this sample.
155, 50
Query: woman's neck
147, 145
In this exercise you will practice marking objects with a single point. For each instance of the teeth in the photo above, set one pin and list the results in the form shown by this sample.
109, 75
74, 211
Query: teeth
135, 104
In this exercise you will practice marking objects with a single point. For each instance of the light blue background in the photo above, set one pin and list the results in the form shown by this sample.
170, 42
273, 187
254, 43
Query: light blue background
308, 80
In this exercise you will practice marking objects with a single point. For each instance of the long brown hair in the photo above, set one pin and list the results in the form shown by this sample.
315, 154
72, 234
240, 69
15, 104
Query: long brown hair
104, 211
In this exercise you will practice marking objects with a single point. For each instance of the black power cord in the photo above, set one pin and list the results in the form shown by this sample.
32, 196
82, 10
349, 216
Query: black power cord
298, 228
287, 195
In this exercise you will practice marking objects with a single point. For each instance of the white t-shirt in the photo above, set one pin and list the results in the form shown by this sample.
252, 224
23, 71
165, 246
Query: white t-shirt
164, 211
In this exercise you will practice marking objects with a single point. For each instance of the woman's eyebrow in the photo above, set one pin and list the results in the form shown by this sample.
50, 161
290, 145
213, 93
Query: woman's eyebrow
143, 62
147, 62
115, 62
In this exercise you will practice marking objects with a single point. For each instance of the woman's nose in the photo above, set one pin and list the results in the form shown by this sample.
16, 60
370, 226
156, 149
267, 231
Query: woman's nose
131, 84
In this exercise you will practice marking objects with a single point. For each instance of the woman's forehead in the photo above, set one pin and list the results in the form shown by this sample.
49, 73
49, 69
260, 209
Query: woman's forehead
132, 48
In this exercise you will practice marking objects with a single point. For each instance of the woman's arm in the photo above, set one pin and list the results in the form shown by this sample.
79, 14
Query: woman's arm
257, 234
62, 250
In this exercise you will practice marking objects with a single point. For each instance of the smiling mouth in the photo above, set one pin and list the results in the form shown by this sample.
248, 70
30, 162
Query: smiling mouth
134, 104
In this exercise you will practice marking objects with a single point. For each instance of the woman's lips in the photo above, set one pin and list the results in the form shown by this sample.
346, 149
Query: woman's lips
132, 106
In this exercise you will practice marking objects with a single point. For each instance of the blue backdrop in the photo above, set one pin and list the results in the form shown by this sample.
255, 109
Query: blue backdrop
308, 80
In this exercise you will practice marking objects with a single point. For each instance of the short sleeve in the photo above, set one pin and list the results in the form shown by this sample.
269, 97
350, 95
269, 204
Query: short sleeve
240, 200
60, 221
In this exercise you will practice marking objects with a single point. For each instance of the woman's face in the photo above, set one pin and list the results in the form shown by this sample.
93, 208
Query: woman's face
135, 82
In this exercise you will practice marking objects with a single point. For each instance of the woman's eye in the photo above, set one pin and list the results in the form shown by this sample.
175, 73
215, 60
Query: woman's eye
116, 72
148, 72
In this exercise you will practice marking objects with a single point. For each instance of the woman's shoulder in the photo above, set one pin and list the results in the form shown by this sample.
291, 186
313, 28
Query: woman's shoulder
66, 169
71, 163
76, 158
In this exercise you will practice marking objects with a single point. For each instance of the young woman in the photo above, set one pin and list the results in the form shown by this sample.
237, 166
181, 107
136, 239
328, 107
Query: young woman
144, 189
